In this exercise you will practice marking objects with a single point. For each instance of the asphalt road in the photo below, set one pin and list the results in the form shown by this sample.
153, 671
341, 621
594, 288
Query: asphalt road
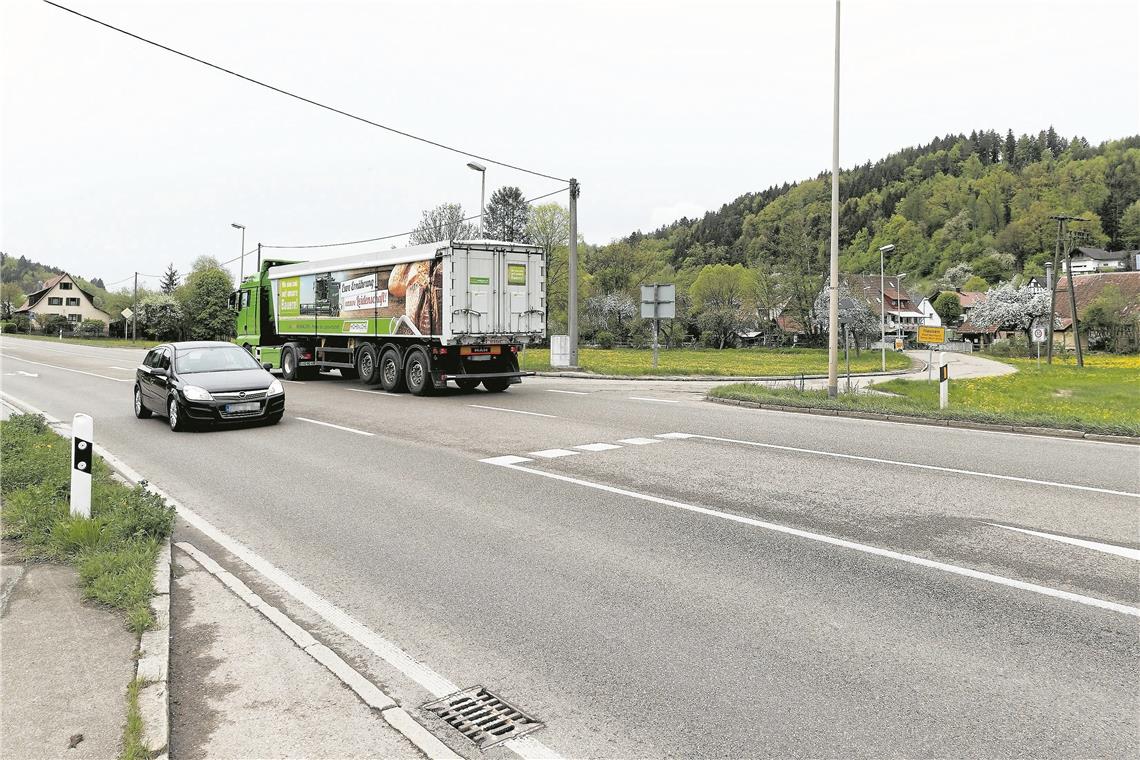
767, 584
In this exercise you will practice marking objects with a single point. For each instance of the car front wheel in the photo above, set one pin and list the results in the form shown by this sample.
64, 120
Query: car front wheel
174, 416
140, 408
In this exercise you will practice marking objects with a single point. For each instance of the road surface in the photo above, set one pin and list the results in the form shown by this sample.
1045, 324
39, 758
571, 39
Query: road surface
653, 575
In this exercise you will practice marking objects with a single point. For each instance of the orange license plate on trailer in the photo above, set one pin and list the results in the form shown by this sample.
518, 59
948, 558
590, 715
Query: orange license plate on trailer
480, 350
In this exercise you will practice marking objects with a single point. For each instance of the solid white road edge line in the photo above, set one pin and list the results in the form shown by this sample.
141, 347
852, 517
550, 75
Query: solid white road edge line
917, 466
368, 692
1120, 551
68, 369
338, 427
571, 393
865, 548
514, 411
658, 400
438, 686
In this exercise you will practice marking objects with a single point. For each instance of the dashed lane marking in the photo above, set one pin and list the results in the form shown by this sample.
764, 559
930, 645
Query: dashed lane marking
639, 441
597, 447
658, 400
513, 411
338, 427
385, 394
553, 453
509, 459
572, 393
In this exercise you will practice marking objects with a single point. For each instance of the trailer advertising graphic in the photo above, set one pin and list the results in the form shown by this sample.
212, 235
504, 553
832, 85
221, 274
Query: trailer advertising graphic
405, 299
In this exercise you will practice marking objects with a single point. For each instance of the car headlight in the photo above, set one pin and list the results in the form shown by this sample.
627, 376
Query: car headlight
194, 393
275, 388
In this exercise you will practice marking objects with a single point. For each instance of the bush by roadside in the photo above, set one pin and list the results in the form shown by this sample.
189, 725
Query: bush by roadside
114, 551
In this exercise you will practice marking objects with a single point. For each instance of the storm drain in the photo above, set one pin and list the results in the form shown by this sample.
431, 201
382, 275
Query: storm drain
483, 717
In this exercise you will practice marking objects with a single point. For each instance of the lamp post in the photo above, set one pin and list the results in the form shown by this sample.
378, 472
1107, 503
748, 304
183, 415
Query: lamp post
899, 322
241, 264
883, 251
478, 167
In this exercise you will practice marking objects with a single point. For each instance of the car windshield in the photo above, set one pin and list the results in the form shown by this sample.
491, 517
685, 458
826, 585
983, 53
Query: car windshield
213, 359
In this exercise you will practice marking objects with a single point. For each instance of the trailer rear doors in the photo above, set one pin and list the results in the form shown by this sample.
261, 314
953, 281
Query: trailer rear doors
496, 290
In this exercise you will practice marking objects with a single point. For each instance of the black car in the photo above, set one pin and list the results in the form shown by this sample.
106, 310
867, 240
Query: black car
206, 382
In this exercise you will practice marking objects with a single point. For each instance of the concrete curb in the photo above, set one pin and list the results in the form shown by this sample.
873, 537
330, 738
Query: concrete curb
724, 378
368, 692
1023, 430
153, 667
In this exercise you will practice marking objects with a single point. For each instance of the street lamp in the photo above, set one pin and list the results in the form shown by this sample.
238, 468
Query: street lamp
241, 265
883, 251
899, 285
478, 167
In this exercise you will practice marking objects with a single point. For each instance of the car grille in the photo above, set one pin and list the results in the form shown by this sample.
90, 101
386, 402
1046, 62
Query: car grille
239, 395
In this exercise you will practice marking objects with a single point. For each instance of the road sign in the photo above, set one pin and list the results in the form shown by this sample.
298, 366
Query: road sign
932, 335
899, 344
1039, 334
127, 313
658, 301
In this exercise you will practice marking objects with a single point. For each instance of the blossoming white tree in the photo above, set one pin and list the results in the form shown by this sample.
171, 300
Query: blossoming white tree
1007, 307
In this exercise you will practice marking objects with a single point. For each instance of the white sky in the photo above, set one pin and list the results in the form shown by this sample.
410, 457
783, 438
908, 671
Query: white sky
115, 156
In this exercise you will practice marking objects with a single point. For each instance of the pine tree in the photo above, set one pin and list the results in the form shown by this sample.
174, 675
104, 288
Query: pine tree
1007, 154
170, 278
506, 216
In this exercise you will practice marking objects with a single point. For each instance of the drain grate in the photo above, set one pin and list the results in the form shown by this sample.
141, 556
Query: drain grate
483, 717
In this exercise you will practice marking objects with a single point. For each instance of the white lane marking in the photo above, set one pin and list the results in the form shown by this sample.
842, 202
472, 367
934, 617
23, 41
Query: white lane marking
124, 369
639, 441
915, 465
437, 685
509, 459
26, 374
68, 369
553, 453
513, 411
658, 400
1120, 551
865, 548
674, 436
572, 393
597, 447
385, 394
338, 427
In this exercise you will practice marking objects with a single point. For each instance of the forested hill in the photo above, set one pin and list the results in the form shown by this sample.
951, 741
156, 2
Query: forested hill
981, 199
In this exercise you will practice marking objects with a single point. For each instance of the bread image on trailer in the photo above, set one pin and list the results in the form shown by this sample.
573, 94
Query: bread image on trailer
415, 318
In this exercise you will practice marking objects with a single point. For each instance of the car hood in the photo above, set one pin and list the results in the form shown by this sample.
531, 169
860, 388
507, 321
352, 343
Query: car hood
232, 380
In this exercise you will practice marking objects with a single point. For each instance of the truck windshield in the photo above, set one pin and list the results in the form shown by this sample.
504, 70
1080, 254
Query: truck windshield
213, 359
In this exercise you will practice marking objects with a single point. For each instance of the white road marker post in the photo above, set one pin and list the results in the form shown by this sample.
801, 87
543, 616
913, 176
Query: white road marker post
82, 443
943, 379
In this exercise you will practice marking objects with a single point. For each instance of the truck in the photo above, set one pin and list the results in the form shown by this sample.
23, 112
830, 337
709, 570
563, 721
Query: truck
408, 319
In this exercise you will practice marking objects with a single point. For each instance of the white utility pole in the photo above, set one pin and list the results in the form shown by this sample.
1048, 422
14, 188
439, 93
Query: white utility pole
572, 296
883, 251
833, 300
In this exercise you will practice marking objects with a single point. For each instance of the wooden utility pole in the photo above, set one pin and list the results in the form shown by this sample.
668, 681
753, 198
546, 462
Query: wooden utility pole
1053, 287
1073, 302
1062, 225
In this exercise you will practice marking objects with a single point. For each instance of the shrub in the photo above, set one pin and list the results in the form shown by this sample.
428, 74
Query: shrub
53, 323
91, 328
1011, 347
604, 339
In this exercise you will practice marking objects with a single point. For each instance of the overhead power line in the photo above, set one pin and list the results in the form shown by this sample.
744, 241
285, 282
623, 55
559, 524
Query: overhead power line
302, 98
398, 234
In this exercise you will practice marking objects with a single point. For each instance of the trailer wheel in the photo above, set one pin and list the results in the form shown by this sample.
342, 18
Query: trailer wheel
391, 373
367, 367
497, 384
467, 384
417, 373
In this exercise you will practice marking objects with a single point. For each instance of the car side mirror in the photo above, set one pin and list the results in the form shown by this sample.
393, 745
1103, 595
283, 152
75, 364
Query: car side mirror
266, 366
159, 371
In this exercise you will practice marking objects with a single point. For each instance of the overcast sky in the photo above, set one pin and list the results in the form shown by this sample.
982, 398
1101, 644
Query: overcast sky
116, 156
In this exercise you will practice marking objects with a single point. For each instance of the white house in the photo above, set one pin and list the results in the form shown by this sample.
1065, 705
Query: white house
930, 317
62, 295
1097, 260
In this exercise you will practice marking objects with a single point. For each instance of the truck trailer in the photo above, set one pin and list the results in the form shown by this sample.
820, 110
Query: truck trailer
407, 319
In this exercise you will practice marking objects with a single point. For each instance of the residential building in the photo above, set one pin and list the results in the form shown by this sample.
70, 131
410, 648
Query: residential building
902, 314
62, 295
1086, 260
1088, 288
930, 317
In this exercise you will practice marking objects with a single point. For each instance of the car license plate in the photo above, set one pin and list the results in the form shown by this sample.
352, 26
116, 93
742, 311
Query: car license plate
248, 406
480, 350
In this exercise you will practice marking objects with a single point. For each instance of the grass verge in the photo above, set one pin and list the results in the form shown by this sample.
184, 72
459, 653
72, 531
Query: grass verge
133, 748
114, 550
104, 342
1103, 397
753, 362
